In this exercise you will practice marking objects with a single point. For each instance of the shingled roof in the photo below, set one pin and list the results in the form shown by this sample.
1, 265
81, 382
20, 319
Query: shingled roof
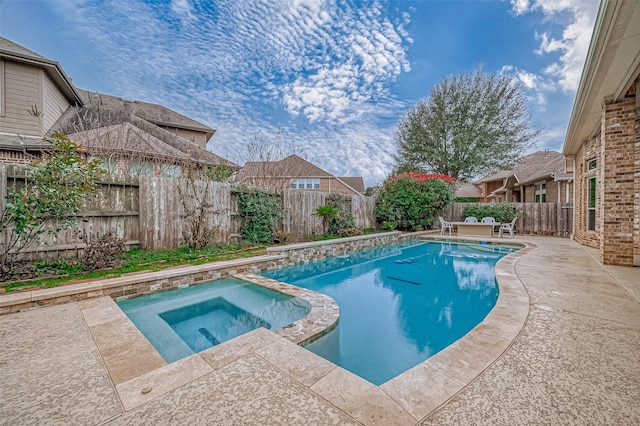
531, 167
145, 117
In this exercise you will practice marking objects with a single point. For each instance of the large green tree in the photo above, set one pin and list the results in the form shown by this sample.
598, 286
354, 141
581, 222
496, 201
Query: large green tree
471, 124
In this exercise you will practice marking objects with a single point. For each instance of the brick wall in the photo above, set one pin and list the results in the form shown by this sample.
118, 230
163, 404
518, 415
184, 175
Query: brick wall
589, 151
617, 185
636, 226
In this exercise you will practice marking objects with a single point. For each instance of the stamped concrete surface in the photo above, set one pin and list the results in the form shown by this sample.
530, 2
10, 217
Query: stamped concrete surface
575, 361
51, 372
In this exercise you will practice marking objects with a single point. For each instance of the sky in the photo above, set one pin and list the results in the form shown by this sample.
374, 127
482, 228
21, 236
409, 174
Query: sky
327, 79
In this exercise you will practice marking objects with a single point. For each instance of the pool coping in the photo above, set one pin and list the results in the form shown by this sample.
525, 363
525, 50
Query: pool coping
452, 369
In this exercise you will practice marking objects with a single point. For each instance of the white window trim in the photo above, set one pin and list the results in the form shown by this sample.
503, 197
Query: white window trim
540, 192
303, 183
595, 202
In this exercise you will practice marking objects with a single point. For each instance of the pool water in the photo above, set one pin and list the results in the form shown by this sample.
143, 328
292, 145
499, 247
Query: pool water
181, 322
400, 304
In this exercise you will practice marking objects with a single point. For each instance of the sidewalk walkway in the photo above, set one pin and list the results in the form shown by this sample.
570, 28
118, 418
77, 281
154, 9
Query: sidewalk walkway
576, 361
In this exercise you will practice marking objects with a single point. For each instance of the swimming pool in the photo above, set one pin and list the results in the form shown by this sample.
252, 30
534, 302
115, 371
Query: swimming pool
400, 304
181, 322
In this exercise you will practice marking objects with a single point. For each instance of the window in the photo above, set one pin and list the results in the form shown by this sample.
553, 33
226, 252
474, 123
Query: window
592, 164
141, 168
541, 192
170, 170
108, 165
591, 206
305, 183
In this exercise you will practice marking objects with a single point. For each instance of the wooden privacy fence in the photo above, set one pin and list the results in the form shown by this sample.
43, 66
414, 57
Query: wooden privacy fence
533, 218
299, 207
114, 208
149, 212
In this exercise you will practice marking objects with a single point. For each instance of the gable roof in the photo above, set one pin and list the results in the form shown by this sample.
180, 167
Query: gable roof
355, 182
18, 53
125, 138
291, 166
117, 111
153, 113
468, 190
531, 167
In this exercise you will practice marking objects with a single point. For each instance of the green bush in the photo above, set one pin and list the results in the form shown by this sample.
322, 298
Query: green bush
342, 223
502, 212
413, 199
258, 211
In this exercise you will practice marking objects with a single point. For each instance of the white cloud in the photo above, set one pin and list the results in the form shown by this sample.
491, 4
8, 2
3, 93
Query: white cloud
572, 44
318, 68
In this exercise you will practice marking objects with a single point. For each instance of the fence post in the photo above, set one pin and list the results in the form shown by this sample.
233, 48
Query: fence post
3, 201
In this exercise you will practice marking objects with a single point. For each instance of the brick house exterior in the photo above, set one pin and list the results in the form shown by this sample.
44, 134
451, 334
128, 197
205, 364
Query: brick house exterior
602, 143
535, 178
294, 172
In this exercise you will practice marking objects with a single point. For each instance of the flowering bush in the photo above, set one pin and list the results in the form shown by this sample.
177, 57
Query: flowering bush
414, 199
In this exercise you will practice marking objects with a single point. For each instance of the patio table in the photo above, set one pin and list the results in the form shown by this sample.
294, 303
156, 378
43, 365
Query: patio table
477, 229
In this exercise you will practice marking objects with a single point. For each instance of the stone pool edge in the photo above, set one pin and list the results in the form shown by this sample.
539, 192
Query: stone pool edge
143, 283
429, 385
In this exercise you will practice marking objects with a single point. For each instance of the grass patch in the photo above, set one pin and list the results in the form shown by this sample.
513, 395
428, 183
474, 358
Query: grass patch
53, 273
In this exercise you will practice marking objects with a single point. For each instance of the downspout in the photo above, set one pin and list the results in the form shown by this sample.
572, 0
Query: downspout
573, 200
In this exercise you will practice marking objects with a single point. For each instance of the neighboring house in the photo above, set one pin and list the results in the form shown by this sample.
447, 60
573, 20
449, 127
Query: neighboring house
602, 144
536, 178
130, 137
469, 192
295, 172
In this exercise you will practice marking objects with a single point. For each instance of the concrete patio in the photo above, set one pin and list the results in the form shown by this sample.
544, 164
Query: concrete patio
573, 358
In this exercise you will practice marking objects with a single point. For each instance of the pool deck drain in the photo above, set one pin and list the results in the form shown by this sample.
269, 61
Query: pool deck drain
562, 346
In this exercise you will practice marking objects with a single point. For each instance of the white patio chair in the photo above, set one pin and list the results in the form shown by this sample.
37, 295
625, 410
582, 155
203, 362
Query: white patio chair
444, 225
471, 219
488, 219
508, 227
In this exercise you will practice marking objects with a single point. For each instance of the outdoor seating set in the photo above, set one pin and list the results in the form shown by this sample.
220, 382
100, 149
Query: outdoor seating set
471, 227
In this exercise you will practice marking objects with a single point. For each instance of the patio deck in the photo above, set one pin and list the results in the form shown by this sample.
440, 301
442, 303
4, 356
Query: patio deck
576, 360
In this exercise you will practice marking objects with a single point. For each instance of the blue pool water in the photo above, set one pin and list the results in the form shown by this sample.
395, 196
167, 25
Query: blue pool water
181, 322
400, 304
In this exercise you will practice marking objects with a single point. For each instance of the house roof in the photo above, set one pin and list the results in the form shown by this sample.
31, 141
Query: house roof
126, 138
13, 142
611, 67
113, 111
531, 167
468, 190
153, 113
18, 53
355, 182
291, 167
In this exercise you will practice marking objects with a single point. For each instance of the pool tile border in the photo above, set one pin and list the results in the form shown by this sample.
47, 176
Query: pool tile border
322, 318
168, 279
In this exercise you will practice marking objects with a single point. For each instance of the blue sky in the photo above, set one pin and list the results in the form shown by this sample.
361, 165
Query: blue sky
331, 78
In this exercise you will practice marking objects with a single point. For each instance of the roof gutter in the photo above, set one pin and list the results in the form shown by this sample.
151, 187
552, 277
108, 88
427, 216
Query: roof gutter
59, 75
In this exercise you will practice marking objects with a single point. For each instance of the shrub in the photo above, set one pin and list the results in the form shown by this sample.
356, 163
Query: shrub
342, 223
102, 251
258, 211
54, 191
502, 212
413, 199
